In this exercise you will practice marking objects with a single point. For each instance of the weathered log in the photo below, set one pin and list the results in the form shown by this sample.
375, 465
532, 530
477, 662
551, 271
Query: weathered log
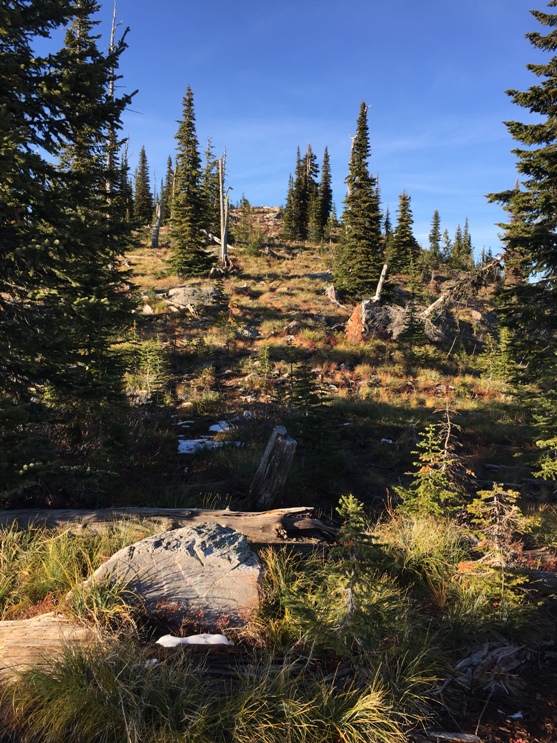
273, 470
27, 643
280, 527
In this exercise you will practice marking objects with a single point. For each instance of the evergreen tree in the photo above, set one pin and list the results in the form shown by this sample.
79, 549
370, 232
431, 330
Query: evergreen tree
125, 187
359, 256
188, 213
96, 302
387, 225
435, 240
530, 237
404, 250
446, 247
62, 297
288, 228
210, 186
143, 197
166, 192
300, 213
461, 253
322, 203
245, 232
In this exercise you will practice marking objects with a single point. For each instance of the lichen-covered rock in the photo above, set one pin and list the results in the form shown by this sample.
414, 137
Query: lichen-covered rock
206, 571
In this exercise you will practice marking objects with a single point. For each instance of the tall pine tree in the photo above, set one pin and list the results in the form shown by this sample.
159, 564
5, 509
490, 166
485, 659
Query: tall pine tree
166, 192
320, 209
189, 257
143, 196
210, 187
530, 236
435, 256
359, 255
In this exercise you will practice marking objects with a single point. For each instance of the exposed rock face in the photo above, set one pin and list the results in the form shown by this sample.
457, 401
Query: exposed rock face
207, 571
32, 642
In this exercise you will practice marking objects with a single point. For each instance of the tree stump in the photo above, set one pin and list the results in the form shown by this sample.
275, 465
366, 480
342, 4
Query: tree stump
273, 470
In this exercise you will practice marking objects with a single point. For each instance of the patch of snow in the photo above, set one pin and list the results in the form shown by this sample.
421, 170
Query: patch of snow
220, 426
190, 446
169, 641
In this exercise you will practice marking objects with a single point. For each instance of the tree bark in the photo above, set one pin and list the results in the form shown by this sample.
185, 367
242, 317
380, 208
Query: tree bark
273, 470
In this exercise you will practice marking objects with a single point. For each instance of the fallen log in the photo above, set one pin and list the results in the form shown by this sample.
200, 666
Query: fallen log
295, 527
27, 643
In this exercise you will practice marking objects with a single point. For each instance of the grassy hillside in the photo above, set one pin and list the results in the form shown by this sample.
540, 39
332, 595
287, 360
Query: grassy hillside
425, 614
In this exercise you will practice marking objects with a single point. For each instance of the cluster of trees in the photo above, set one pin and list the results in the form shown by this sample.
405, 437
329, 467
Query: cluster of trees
368, 239
456, 253
309, 201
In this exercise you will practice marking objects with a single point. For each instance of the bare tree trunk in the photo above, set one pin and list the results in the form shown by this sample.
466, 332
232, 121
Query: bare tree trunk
223, 248
273, 470
156, 226
377, 298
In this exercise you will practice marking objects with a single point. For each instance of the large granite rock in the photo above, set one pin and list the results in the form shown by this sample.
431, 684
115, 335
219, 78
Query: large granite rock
207, 571
32, 642
196, 295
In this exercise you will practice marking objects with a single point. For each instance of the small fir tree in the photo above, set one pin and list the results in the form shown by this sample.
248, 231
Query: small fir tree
437, 486
188, 216
404, 249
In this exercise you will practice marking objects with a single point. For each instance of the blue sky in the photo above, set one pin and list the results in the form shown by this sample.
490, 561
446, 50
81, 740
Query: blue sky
268, 77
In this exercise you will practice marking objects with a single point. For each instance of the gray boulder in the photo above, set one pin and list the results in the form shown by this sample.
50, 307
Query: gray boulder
195, 295
207, 571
